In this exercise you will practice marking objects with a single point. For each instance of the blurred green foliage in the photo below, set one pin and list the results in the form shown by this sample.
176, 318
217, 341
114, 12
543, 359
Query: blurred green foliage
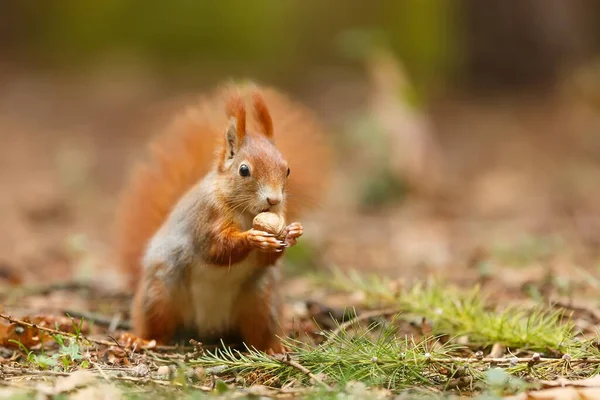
265, 37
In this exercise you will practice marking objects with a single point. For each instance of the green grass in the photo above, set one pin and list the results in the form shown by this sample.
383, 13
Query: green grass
381, 355
376, 357
370, 359
462, 312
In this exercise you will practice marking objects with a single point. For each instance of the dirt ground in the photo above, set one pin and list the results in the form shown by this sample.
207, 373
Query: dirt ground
516, 170
515, 209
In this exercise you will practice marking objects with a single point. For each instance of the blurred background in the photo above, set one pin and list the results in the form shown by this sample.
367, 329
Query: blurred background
466, 133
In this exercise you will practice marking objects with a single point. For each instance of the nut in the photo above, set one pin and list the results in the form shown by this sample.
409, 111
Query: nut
269, 222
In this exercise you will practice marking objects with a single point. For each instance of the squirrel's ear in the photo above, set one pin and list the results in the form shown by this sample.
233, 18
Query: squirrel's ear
262, 114
231, 138
236, 131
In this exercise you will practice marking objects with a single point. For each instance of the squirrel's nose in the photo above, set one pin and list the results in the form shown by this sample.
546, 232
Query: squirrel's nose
273, 201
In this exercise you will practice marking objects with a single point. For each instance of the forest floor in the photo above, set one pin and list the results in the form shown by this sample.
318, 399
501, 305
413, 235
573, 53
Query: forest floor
489, 291
431, 339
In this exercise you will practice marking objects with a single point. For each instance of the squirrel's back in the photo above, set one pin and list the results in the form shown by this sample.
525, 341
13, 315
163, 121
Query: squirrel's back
184, 153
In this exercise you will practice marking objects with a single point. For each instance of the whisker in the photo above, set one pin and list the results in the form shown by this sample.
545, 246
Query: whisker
244, 210
238, 205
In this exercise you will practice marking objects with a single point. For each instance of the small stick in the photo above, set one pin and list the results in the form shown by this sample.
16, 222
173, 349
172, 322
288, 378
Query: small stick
102, 373
55, 287
590, 311
95, 341
510, 360
18, 372
286, 359
98, 319
29, 372
53, 331
159, 382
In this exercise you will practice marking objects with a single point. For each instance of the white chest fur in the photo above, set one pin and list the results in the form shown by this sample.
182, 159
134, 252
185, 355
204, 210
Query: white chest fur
213, 291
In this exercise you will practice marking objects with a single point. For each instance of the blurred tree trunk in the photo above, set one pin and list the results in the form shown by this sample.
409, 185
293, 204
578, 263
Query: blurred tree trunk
8, 28
16, 31
524, 43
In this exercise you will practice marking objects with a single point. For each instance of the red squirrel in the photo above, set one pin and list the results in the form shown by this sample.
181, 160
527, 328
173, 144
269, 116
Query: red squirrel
184, 225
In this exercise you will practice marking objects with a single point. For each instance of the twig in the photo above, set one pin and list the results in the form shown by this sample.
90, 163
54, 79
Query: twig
360, 318
23, 372
287, 359
53, 331
98, 319
101, 342
513, 360
159, 382
100, 371
55, 287
580, 309
14, 384
28, 371
175, 347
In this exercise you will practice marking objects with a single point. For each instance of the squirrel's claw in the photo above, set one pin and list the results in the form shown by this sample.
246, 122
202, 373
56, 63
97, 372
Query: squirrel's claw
264, 241
294, 231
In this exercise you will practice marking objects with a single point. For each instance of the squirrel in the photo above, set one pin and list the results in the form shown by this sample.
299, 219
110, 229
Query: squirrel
184, 224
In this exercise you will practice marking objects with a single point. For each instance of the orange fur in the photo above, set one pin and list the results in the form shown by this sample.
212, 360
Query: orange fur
262, 114
258, 318
227, 245
154, 317
237, 110
181, 156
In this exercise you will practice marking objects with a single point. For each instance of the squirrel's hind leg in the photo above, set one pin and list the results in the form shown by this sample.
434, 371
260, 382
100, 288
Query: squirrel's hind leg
154, 314
258, 319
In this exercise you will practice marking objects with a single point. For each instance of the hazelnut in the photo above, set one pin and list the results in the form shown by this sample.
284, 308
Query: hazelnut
269, 222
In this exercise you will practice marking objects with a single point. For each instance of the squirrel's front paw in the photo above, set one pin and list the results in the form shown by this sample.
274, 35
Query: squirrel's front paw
264, 241
294, 231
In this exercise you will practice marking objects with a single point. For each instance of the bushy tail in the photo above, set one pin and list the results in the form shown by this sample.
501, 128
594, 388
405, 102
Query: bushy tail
181, 156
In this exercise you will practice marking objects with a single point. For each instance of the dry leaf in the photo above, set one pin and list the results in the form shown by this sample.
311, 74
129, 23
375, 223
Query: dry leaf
260, 391
563, 393
68, 383
30, 337
585, 389
114, 355
130, 341
101, 392
74, 380
594, 381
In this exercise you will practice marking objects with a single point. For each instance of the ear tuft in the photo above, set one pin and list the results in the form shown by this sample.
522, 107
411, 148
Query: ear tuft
236, 131
235, 109
231, 138
262, 114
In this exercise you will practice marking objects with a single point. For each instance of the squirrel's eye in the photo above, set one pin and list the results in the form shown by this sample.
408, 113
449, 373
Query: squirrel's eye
244, 170
288, 172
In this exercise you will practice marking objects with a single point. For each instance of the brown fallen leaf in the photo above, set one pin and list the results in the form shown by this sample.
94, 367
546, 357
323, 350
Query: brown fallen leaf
594, 381
114, 355
130, 341
12, 333
77, 379
99, 392
560, 393
74, 380
559, 389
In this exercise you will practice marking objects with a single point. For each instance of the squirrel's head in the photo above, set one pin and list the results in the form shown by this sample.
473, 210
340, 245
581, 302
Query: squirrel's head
255, 172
